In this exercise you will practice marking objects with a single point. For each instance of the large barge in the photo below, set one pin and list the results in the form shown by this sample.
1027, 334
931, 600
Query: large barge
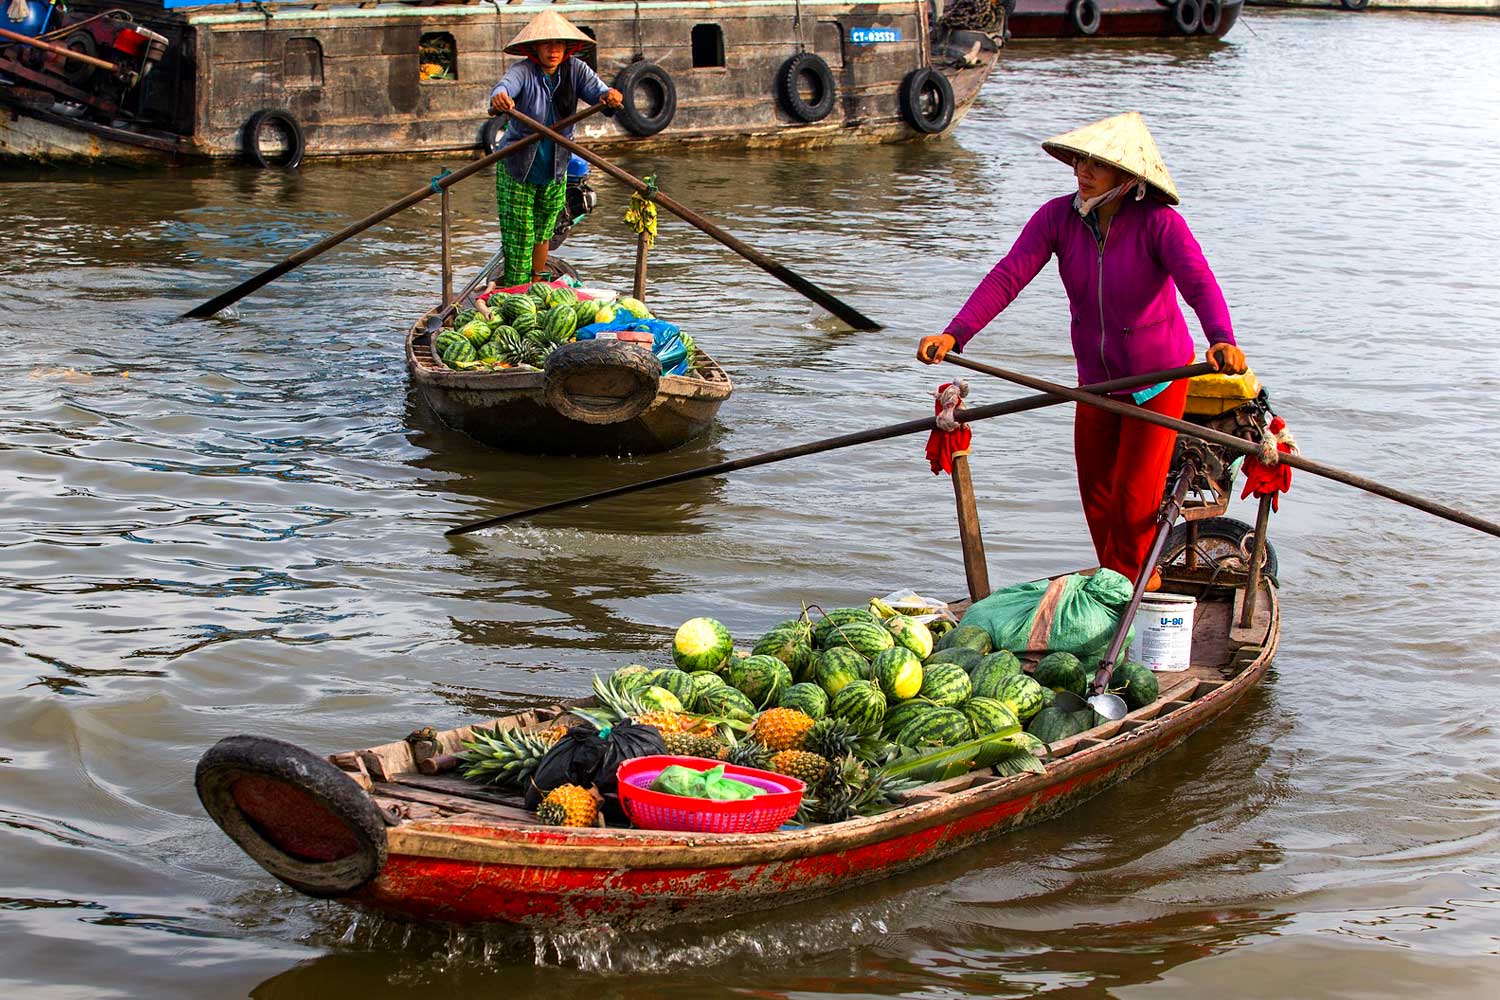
274, 82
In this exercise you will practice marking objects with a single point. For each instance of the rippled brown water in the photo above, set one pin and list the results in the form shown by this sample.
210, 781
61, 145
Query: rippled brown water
236, 526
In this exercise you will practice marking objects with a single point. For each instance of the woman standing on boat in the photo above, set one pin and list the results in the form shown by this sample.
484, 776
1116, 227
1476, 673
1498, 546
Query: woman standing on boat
531, 185
1122, 256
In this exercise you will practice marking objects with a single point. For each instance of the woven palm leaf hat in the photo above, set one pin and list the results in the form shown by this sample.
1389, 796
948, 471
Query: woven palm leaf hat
1122, 141
548, 26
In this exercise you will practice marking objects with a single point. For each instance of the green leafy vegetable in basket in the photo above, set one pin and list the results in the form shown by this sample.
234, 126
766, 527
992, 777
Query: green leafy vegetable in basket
710, 784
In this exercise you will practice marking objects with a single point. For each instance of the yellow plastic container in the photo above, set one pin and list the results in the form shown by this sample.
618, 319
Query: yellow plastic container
1211, 395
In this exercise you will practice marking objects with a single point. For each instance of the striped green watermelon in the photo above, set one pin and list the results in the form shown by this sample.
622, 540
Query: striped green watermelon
702, 680
585, 311
659, 699
677, 682
727, 702
635, 307
625, 677
1021, 695
864, 638
824, 632
989, 716
487, 351
789, 644
837, 667
898, 672
702, 644
1062, 672
861, 704
911, 634
761, 678
458, 352
963, 656
941, 727
1052, 724
1136, 683
475, 332
993, 671
898, 716
969, 636
946, 684
519, 313
556, 325
807, 698
538, 293
560, 295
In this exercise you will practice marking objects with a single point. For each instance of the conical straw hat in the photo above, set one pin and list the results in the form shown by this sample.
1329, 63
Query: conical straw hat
548, 26
1122, 141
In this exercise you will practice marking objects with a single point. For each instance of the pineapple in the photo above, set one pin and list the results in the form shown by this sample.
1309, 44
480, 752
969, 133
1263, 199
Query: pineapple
807, 768
552, 734
616, 703
850, 789
504, 757
568, 805
834, 738
693, 745
749, 753
781, 728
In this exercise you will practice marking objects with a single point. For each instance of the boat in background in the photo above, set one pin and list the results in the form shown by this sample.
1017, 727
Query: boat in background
1121, 18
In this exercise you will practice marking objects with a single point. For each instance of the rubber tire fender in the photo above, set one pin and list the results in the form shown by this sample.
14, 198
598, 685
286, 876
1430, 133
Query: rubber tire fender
1228, 529
631, 115
910, 100
1085, 16
289, 160
1210, 15
491, 132
789, 96
1354, 4
633, 364
1187, 15
342, 822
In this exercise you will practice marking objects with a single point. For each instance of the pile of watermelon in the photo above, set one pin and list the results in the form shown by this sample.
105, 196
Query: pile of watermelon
520, 330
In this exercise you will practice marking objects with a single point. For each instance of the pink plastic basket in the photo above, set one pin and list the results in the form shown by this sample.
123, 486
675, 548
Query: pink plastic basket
659, 811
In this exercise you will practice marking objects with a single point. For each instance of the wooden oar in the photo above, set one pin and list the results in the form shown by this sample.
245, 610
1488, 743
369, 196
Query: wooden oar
786, 276
831, 444
1237, 445
307, 253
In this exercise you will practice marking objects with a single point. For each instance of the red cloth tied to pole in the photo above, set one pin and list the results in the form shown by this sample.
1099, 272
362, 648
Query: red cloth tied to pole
951, 437
1266, 475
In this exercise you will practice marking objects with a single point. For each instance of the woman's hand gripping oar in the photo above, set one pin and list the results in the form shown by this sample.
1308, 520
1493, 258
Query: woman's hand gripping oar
924, 425
1238, 445
785, 275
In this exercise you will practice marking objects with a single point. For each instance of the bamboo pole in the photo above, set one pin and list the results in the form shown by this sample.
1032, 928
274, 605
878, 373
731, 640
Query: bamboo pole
447, 251
1257, 556
640, 267
970, 540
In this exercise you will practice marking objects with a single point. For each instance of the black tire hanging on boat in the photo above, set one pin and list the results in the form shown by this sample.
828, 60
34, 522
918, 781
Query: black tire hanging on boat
926, 99
601, 381
289, 158
1210, 15
491, 132
1187, 15
1085, 16
650, 98
1224, 529
335, 843
809, 66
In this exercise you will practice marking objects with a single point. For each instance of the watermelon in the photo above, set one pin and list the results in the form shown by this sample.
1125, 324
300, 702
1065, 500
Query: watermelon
970, 636
519, 311
444, 340
557, 325
702, 644
726, 702
989, 716
1052, 724
806, 698
559, 295
1062, 672
898, 672
789, 644
761, 678
621, 679
659, 699
864, 638
837, 667
476, 332
487, 351
940, 727
604, 312
458, 351
992, 671
1136, 683
1048, 696
946, 684
911, 634
825, 632
861, 704
900, 715
585, 311
635, 307
677, 682
702, 680
538, 293
1021, 695
963, 656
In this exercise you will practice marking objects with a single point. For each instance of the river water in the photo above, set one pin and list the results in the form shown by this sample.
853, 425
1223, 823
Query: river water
229, 526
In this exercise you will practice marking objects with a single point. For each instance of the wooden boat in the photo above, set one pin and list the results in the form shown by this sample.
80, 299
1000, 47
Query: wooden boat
1122, 18
385, 828
605, 405
282, 81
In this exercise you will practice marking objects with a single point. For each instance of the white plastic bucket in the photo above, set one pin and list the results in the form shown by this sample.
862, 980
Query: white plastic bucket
1164, 632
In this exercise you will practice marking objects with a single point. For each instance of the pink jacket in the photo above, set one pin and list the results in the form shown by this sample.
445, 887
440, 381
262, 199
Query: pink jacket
1126, 320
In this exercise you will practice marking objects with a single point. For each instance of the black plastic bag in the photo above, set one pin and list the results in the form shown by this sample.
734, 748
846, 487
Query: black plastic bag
573, 760
626, 740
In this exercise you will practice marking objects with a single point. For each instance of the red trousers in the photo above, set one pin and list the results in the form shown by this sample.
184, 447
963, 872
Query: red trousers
1122, 473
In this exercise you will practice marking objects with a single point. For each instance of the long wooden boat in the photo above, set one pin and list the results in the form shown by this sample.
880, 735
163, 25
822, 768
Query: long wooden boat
1477, 7
385, 829
607, 410
274, 82
1123, 18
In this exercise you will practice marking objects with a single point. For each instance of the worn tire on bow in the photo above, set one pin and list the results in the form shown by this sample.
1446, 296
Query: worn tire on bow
1187, 15
811, 67
650, 98
1210, 15
601, 381
1085, 16
926, 100
291, 156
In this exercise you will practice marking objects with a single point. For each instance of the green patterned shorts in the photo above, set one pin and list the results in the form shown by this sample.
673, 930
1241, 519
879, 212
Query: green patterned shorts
528, 213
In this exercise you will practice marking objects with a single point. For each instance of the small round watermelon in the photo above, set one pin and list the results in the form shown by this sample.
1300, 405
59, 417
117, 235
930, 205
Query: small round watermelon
659, 699
940, 727
837, 667
968, 636
946, 684
791, 645
726, 702
702, 644
1021, 695
806, 698
627, 676
1062, 672
861, 704
912, 634
898, 716
1136, 683
989, 715
898, 672
963, 656
992, 671
761, 678
702, 680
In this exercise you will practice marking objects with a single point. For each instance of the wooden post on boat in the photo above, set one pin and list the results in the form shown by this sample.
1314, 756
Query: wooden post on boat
447, 252
1257, 556
640, 267
976, 571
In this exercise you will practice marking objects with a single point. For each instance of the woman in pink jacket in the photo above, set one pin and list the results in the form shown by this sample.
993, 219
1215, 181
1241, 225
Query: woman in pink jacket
1123, 254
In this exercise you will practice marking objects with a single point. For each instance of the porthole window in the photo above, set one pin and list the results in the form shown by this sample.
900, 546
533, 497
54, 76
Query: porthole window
438, 58
708, 46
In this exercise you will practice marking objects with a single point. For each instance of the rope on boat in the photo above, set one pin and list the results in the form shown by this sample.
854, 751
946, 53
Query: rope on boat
436, 182
950, 398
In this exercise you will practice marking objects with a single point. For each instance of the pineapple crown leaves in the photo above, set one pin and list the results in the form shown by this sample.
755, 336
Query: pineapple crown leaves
834, 737
618, 704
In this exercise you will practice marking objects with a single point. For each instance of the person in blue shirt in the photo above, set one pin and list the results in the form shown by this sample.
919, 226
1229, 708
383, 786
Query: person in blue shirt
531, 185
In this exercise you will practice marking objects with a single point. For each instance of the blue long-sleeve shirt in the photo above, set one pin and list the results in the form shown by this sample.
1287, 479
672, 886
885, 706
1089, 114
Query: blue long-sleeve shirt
528, 86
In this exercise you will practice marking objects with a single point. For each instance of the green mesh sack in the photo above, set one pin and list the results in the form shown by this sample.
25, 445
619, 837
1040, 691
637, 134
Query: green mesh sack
1072, 614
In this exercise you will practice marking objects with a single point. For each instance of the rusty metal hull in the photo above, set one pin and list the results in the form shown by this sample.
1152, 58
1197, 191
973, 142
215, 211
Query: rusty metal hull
1117, 19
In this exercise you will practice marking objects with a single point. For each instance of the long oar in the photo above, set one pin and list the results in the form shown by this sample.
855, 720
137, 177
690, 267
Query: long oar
1238, 445
307, 253
839, 308
830, 444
